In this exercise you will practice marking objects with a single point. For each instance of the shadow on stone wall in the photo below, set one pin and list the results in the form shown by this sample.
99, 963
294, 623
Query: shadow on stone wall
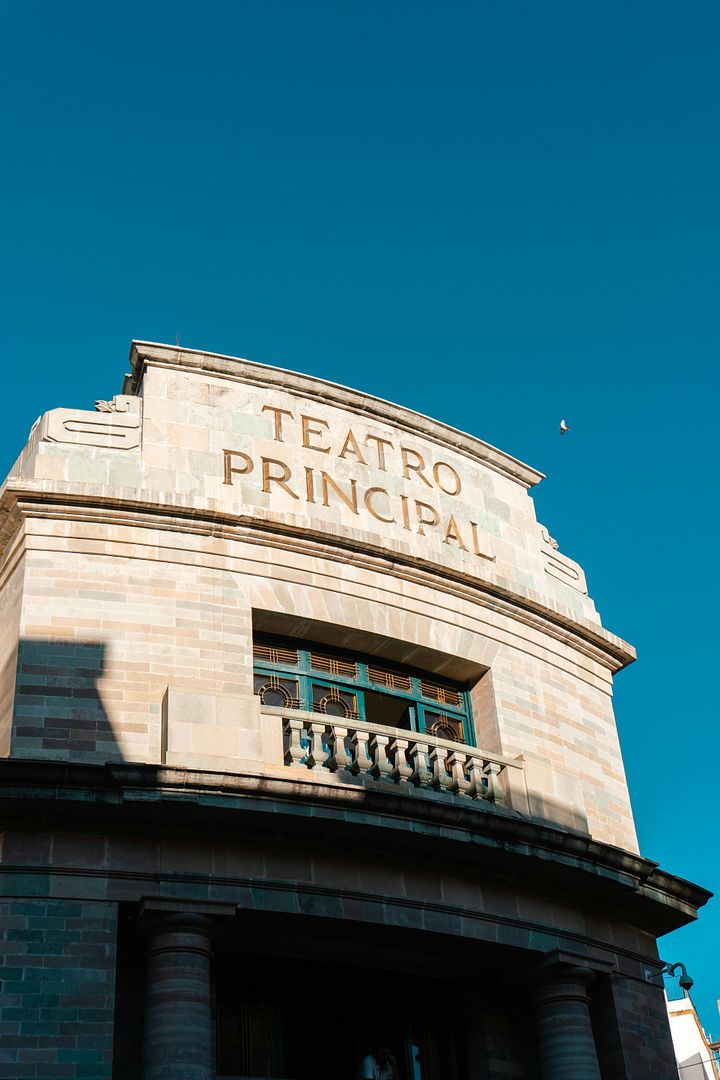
547, 793
58, 710
59, 714
546, 808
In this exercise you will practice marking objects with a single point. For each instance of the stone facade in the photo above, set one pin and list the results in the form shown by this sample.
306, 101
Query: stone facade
146, 545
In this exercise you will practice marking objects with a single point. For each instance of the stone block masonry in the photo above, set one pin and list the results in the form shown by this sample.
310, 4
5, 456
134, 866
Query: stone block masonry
142, 542
57, 989
184, 861
632, 1034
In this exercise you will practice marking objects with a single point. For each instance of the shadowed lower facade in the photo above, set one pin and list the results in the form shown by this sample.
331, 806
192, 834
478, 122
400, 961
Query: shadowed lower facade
308, 742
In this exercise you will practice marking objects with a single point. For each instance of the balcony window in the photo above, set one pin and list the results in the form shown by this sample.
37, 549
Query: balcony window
300, 675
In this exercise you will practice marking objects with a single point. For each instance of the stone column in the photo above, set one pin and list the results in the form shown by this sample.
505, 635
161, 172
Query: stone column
179, 1042
562, 1020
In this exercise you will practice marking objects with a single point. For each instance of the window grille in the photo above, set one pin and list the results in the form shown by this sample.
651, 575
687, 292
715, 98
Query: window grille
444, 695
275, 654
333, 665
393, 680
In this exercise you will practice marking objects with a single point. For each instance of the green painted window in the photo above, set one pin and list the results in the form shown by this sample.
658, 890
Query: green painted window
292, 674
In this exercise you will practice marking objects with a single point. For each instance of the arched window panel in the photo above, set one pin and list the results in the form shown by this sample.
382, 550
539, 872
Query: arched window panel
444, 726
335, 701
277, 692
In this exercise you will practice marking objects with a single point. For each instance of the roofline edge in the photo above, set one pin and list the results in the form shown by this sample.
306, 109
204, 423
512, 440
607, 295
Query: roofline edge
235, 367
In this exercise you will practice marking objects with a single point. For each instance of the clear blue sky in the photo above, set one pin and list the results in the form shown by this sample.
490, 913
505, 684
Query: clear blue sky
498, 214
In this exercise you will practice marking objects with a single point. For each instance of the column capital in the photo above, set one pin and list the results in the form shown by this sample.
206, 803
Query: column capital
561, 1003
159, 922
562, 965
562, 984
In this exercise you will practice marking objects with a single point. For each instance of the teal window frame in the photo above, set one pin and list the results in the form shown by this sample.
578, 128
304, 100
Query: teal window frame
419, 703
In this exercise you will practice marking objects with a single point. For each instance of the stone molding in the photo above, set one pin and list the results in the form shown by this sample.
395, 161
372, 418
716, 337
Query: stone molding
27, 498
270, 895
479, 834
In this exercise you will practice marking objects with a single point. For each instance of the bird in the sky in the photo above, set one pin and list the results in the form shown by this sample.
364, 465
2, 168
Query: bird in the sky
563, 427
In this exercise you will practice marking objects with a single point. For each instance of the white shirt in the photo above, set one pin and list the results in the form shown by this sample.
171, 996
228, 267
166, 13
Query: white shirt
370, 1070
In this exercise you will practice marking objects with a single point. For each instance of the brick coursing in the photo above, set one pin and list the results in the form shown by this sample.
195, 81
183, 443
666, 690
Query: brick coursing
632, 1031
57, 989
101, 639
510, 1050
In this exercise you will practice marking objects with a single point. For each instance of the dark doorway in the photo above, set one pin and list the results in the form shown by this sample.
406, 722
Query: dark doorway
300, 1020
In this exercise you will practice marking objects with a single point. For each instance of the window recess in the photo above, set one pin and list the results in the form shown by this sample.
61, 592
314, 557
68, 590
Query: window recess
301, 675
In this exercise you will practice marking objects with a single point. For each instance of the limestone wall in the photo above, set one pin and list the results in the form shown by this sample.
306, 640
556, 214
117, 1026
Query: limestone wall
11, 586
215, 492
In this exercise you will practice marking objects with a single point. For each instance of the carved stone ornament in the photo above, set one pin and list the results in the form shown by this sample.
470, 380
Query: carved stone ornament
547, 538
121, 403
115, 424
558, 566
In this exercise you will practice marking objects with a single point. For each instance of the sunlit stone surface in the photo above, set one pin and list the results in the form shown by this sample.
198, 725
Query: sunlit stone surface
440, 799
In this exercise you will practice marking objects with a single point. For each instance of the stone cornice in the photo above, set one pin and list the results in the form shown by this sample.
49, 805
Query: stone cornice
20, 498
143, 353
537, 855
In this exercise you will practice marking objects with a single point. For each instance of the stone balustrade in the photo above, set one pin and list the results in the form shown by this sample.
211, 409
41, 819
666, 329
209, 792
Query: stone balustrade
324, 744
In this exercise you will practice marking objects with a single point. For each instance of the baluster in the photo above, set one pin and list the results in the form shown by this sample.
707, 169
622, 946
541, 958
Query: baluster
456, 764
492, 771
361, 761
317, 755
340, 758
295, 752
477, 788
401, 771
421, 774
440, 779
381, 768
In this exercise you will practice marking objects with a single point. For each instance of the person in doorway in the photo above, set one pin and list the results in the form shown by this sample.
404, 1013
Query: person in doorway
380, 1065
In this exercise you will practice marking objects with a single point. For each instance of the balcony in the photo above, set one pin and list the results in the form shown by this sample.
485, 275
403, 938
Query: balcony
385, 755
234, 736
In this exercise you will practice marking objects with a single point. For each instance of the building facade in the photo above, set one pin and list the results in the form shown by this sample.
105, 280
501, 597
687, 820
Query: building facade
697, 1056
307, 743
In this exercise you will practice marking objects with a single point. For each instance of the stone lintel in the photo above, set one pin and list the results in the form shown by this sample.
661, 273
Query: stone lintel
564, 962
168, 905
